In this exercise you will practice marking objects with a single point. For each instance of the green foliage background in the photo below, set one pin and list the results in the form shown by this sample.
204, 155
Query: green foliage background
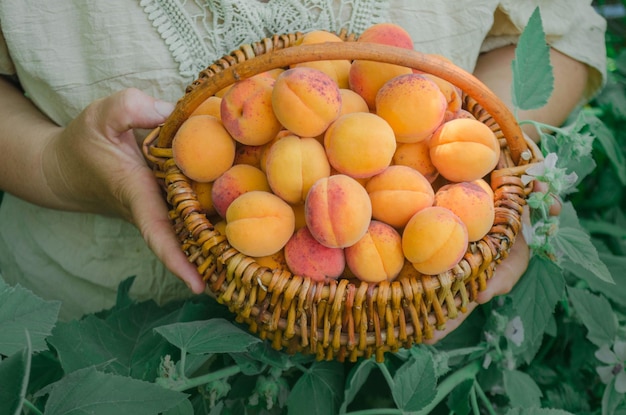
555, 345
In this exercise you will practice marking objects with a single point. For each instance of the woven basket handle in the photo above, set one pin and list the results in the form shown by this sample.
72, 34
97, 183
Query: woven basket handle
351, 50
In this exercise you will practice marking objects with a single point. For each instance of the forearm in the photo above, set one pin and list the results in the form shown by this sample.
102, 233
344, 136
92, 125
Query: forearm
24, 134
570, 78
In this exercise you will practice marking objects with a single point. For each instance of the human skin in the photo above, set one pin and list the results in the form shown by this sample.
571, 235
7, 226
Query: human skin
95, 163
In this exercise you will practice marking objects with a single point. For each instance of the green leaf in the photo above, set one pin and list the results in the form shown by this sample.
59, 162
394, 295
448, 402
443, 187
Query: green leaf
124, 342
611, 399
183, 408
535, 296
356, 379
533, 80
607, 140
616, 265
536, 411
458, 400
21, 309
414, 383
596, 314
318, 390
576, 244
88, 391
14, 375
208, 336
521, 389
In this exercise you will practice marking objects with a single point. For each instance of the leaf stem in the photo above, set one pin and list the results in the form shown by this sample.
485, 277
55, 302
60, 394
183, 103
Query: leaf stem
484, 399
378, 411
449, 383
203, 379
31, 407
474, 400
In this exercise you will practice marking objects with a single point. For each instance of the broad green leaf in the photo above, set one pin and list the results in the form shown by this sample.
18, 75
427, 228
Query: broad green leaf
610, 145
576, 244
356, 379
88, 391
533, 80
596, 314
536, 411
183, 408
124, 342
611, 399
414, 383
318, 391
521, 389
458, 400
14, 375
616, 265
21, 309
208, 336
535, 296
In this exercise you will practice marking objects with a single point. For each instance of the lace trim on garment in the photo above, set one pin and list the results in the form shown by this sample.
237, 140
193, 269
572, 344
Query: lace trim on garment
199, 32
178, 32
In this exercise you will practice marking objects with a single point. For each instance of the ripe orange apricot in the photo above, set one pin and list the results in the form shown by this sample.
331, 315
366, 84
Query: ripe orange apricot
413, 105
464, 149
306, 257
202, 148
306, 101
434, 240
471, 203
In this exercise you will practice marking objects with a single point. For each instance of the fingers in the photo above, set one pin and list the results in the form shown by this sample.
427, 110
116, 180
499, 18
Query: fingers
156, 228
132, 109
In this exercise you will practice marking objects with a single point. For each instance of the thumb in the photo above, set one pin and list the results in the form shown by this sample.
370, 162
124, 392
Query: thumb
132, 108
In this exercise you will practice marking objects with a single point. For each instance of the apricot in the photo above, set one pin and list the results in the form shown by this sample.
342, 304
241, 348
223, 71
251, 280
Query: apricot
247, 111
397, 194
378, 255
471, 203
367, 77
434, 240
360, 144
337, 211
306, 101
306, 257
413, 105
246, 154
274, 261
266, 148
338, 69
416, 156
239, 179
352, 102
259, 223
387, 34
452, 93
293, 164
202, 148
464, 150
204, 197
298, 211
210, 106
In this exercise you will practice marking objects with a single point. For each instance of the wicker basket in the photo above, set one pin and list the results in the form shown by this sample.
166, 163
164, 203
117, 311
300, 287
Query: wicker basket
340, 319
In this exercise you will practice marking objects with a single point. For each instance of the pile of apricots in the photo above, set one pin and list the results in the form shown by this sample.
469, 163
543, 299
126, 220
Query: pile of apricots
343, 169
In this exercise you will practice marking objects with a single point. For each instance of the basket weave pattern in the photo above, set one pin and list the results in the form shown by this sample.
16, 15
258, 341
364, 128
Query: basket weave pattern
342, 319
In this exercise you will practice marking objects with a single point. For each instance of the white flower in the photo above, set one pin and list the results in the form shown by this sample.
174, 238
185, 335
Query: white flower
615, 365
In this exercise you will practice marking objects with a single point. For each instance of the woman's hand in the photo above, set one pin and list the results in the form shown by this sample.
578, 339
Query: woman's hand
95, 165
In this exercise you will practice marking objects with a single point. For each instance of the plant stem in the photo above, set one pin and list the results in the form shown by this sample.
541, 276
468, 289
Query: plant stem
31, 407
474, 401
449, 383
483, 397
378, 411
201, 380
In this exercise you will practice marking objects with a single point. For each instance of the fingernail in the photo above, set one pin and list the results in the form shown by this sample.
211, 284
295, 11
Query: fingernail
163, 108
